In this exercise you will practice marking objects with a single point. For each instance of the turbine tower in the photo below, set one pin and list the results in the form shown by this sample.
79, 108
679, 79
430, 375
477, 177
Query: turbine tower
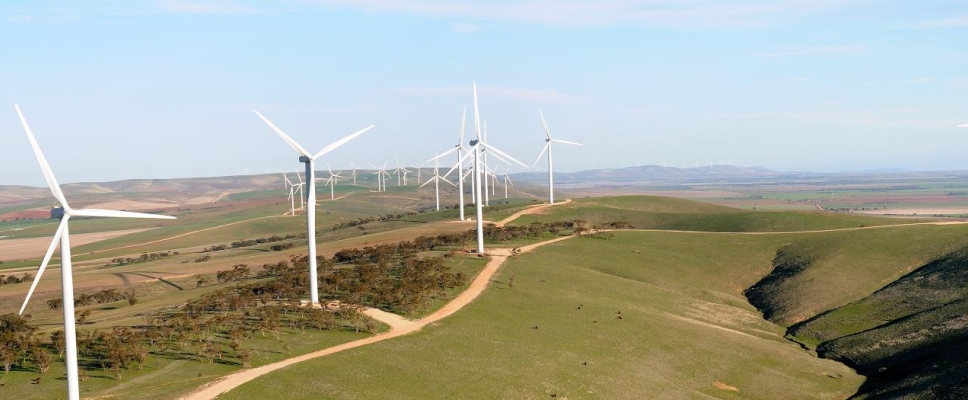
436, 179
332, 182
354, 173
310, 161
64, 213
476, 147
547, 147
292, 190
459, 147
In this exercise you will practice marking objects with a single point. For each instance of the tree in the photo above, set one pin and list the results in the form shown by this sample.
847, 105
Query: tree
42, 359
59, 341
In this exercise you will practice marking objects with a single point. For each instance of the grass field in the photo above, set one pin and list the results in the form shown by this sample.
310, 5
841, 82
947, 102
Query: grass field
687, 328
678, 338
677, 214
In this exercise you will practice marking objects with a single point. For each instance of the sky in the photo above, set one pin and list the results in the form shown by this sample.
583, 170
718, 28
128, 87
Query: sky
165, 89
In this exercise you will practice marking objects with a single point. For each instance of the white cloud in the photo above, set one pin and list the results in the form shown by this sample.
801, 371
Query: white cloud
206, 7
898, 118
912, 81
952, 22
529, 95
651, 13
826, 50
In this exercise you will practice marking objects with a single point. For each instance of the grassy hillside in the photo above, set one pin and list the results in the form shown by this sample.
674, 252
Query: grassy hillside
889, 302
907, 336
649, 212
557, 332
815, 274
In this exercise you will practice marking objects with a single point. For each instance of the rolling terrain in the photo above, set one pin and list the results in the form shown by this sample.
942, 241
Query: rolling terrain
684, 299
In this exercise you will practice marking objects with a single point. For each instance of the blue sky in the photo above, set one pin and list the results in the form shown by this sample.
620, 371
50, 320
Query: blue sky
161, 89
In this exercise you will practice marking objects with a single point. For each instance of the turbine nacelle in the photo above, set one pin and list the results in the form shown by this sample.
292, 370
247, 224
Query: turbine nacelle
58, 212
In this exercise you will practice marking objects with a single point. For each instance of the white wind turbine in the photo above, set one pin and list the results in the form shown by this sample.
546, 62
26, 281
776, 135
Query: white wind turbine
507, 181
399, 171
547, 148
64, 213
476, 148
292, 190
332, 182
381, 175
310, 161
354, 173
459, 147
436, 179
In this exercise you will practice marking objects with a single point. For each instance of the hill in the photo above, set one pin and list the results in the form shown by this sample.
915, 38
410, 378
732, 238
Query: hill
664, 213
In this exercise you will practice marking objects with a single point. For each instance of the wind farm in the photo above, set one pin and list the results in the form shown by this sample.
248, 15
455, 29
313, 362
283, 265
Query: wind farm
753, 200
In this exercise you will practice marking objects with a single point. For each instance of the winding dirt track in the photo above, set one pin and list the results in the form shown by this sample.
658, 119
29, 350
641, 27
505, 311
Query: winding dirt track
530, 210
399, 326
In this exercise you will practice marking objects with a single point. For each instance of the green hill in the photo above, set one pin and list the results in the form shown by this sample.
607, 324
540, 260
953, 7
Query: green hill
666, 213
646, 313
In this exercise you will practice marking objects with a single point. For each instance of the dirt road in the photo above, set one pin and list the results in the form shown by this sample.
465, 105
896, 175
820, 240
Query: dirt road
399, 326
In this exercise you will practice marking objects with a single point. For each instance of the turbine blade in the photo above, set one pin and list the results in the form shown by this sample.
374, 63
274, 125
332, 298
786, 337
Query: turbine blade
963, 126
501, 153
463, 123
547, 131
292, 143
540, 155
91, 212
43, 264
459, 162
566, 142
443, 154
445, 180
48, 174
342, 141
428, 181
477, 115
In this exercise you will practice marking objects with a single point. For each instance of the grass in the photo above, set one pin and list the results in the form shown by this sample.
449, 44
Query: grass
165, 377
648, 212
843, 267
677, 338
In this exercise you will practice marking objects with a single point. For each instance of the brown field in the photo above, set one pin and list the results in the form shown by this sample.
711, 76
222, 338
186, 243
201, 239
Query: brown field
20, 249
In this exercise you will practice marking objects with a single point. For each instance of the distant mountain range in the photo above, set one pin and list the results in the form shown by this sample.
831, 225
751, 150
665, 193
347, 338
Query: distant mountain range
649, 175
654, 175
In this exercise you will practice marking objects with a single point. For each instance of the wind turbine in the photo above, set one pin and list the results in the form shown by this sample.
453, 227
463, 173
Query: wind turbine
398, 171
476, 147
436, 179
507, 181
292, 200
332, 182
460, 168
547, 148
487, 199
64, 213
963, 126
416, 169
310, 161
354, 173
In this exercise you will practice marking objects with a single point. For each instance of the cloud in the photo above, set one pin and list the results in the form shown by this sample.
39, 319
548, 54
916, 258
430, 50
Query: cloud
952, 22
912, 81
284, 108
827, 50
206, 7
529, 95
649, 13
471, 14
464, 27
897, 118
